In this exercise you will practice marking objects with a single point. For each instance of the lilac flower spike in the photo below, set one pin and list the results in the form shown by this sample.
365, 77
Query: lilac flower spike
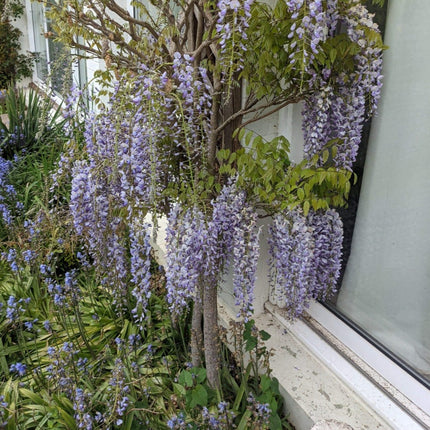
337, 109
305, 257
199, 247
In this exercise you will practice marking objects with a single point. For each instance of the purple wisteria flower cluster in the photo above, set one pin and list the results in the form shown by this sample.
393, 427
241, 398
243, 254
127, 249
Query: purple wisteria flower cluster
338, 108
312, 23
237, 234
186, 256
193, 89
140, 265
305, 257
128, 149
232, 25
111, 187
199, 248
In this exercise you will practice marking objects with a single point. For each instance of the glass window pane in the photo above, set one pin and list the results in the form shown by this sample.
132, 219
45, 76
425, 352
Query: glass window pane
386, 287
39, 40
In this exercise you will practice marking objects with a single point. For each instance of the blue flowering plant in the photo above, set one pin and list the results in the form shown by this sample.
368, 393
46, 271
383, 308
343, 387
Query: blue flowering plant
32, 123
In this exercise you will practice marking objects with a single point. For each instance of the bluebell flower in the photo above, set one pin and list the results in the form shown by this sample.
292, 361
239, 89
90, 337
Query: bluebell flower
30, 324
18, 368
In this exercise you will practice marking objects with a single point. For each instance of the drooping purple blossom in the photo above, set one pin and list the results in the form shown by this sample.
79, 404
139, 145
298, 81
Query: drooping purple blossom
291, 255
305, 257
245, 257
140, 269
232, 25
200, 246
337, 108
312, 23
186, 256
327, 233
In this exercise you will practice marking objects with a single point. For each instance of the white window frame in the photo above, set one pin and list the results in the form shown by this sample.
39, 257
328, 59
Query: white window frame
76, 68
398, 378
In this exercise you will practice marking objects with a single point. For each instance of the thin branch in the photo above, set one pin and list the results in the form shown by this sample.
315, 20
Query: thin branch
214, 121
265, 115
124, 14
243, 112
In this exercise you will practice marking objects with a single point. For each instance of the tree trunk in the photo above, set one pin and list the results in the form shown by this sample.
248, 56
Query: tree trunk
211, 334
196, 333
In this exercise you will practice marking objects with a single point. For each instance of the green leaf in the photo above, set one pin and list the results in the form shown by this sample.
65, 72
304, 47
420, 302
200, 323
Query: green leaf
264, 335
306, 207
243, 425
333, 54
200, 374
186, 379
179, 389
199, 396
251, 343
275, 386
275, 422
266, 382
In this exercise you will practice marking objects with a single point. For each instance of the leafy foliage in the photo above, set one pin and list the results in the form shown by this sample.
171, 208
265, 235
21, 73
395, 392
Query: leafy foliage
30, 123
13, 64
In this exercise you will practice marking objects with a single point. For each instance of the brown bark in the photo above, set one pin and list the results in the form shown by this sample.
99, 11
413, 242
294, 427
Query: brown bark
211, 334
196, 333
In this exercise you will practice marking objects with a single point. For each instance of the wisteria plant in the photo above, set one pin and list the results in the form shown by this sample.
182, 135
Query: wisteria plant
72, 357
188, 77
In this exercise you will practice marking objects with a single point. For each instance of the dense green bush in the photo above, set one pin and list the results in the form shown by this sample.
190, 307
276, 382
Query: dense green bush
32, 122
13, 64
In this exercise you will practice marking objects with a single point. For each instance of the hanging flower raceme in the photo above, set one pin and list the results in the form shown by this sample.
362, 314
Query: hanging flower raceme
305, 257
186, 256
313, 22
199, 248
235, 237
327, 234
194, 102
232, 24
114, 186
140, 268
337, 108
